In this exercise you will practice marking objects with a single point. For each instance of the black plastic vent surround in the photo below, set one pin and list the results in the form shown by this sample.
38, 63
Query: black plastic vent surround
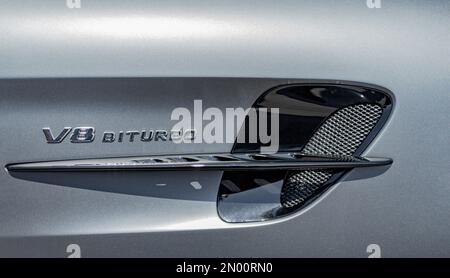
303, 108
333, 120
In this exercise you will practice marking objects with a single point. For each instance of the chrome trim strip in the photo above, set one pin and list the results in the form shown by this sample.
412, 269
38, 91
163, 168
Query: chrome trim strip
279, 161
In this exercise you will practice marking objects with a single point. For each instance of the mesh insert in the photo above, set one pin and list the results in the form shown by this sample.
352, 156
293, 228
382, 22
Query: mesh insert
341, 134
344, 131
300, 186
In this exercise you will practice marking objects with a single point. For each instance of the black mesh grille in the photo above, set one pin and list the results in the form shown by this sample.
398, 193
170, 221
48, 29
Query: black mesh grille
341, 134
344, 131
300, 186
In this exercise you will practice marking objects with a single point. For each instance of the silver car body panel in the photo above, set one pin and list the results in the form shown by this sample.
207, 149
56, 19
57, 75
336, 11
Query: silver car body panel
126, 64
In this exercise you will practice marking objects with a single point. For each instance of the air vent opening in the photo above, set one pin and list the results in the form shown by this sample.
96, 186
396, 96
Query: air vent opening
190, 159
223, 158
263, 157
317, 122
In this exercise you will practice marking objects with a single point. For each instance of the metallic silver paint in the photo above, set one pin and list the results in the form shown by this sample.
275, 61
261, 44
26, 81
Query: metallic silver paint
404, 46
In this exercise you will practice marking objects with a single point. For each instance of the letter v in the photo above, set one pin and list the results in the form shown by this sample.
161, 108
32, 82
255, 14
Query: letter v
52, 140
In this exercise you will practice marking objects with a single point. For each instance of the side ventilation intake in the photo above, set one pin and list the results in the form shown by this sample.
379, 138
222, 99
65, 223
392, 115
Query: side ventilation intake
318, 120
